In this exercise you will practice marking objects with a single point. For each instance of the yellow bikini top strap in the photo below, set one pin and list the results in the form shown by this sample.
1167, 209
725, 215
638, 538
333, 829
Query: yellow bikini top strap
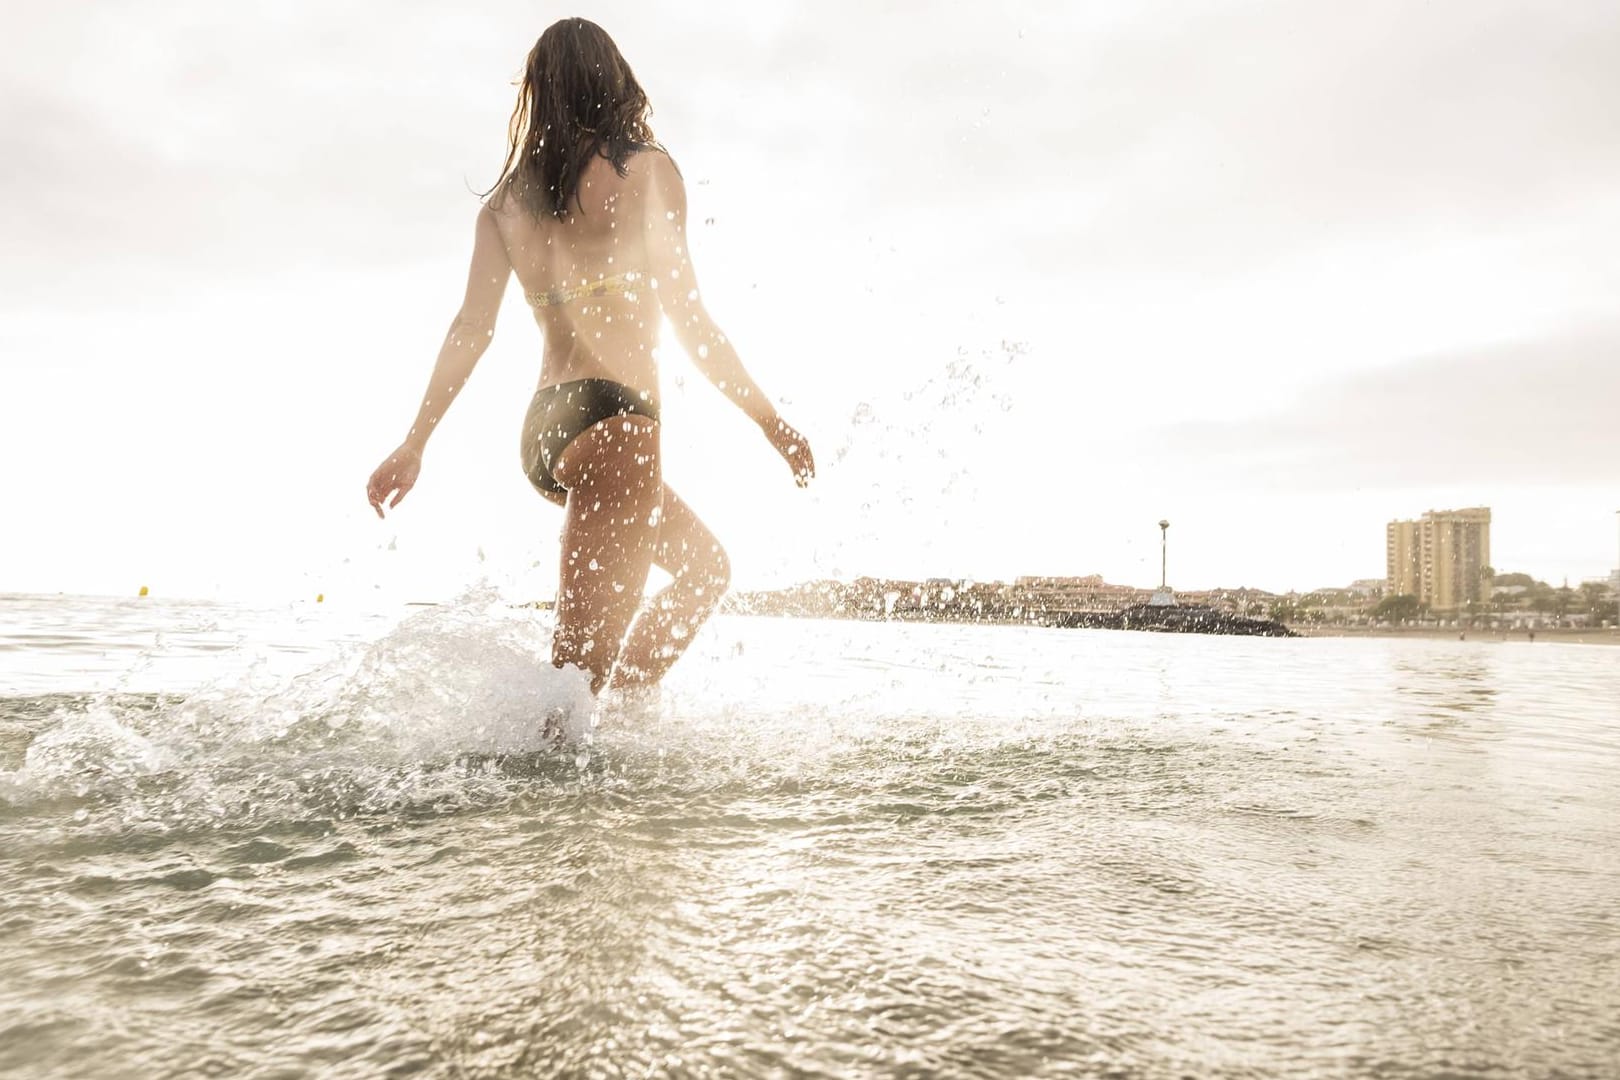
606, 286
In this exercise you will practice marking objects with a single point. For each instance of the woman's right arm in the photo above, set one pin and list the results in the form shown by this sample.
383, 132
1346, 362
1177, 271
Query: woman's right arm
469, 335
670, 264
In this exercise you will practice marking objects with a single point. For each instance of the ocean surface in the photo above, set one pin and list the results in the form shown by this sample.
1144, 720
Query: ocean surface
289, 842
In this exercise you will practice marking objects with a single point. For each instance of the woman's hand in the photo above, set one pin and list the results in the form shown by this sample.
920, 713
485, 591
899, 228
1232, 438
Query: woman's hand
793, 448
395, 476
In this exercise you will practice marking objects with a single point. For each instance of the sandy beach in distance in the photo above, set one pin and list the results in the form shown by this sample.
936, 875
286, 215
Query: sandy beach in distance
1563, 635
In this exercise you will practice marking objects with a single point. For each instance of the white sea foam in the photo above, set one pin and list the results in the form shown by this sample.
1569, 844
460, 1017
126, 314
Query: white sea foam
470, 678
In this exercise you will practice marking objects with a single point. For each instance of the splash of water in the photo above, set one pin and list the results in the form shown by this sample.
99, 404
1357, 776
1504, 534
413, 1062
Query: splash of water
451, 692
933, 435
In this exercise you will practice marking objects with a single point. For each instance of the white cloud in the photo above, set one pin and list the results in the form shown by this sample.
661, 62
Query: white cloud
1517, 414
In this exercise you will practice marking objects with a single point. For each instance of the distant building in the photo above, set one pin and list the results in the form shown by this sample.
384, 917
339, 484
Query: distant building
1403, 557
1368, 588
1090, 581
1609, 583
1089, 593
1440, 558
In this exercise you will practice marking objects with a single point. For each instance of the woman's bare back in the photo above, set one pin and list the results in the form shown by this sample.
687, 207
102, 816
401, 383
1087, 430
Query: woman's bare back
588, 277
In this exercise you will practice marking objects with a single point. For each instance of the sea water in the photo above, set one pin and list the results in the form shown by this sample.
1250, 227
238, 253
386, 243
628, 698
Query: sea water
293, 842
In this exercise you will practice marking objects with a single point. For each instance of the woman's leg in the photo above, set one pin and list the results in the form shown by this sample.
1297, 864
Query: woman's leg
666, 624
612, 472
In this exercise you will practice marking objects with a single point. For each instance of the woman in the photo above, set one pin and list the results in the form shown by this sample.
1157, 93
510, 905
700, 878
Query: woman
590, 213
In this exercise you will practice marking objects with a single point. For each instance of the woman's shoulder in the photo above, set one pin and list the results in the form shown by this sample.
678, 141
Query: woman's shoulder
504, 198
655, 173
652, 160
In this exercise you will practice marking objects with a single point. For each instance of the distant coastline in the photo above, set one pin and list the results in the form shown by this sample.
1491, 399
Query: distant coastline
1357, 611
1565, 635
1551, 635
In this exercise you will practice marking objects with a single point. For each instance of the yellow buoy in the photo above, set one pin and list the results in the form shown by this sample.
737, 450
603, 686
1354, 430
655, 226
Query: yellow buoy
143, 590
320, 597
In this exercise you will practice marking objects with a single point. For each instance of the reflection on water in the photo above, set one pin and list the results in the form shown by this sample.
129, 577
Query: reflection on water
1448, 688
834, 849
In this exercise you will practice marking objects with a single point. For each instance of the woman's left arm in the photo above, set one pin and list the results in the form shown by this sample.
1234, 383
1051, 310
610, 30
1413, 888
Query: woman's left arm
469, 335
711, 352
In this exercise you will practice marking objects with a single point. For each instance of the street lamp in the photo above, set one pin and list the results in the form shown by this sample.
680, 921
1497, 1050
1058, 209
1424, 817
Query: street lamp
1164, 554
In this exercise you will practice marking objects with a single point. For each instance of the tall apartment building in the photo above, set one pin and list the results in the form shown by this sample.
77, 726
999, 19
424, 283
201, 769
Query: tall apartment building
1440, 558
1401, 554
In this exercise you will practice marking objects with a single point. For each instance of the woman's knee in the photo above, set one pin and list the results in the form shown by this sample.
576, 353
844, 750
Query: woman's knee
713, 569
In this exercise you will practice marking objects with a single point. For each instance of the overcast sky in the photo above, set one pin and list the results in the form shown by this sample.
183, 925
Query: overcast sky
1030, 276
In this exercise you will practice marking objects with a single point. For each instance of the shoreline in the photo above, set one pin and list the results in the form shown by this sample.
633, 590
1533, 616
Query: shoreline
1563, 635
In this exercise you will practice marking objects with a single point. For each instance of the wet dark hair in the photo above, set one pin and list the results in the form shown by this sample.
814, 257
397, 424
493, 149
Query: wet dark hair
578, 100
